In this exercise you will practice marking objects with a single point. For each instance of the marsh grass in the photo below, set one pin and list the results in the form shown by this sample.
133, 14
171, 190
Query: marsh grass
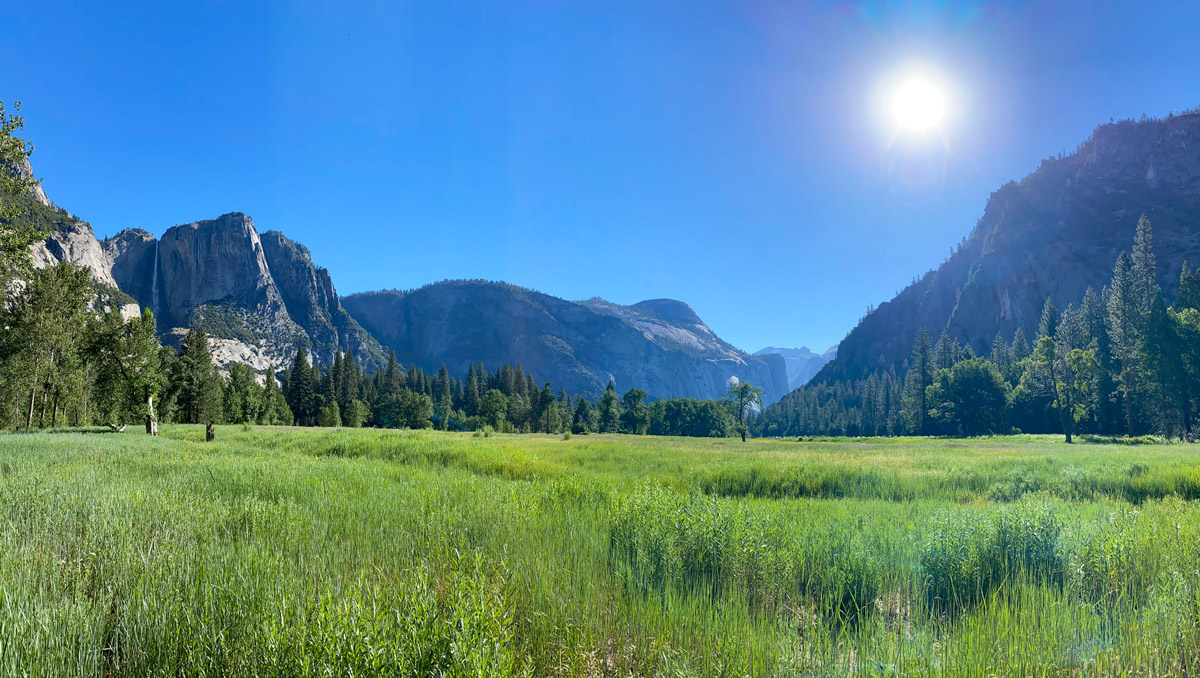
292, 552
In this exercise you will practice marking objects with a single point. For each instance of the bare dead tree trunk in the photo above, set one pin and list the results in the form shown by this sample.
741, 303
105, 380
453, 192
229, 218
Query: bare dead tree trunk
151, 420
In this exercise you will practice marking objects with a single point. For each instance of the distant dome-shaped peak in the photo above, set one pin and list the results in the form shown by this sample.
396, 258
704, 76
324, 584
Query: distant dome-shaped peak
669, 310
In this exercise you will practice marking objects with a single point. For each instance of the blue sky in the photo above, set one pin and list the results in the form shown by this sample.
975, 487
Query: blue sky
738, 156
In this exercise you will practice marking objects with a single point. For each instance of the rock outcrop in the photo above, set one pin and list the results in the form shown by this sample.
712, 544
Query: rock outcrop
75, 242
660, 346
215, 262
313, 303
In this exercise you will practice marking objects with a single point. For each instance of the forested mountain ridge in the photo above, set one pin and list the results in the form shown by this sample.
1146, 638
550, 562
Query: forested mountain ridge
660, 345
1052, 234
1103, 237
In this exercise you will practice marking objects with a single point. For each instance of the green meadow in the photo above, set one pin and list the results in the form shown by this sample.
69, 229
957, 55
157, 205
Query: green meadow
338, 552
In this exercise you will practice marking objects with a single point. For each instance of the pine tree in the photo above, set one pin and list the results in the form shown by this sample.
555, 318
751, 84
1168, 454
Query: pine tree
392, 376
443, 401
920, 376
199, 398
1001, 356
1164, 374
1124, 321
1048, 325
1189, 289
1020, 346
945, 352
471, 392
610, 410
1145, 268
301, 391
584, 419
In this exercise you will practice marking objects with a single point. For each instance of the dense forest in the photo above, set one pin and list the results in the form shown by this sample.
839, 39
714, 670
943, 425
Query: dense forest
1118, 362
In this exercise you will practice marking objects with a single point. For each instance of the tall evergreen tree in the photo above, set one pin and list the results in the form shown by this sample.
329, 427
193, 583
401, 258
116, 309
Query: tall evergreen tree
1048, 325
920, 376
610, 410
1188, 295
199, 398
301, 390
1124, 329
1145, 268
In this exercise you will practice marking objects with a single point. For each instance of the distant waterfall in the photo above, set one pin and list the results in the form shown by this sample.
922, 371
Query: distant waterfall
154, 283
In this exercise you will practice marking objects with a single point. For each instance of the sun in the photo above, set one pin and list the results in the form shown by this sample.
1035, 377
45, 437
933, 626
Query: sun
918, 105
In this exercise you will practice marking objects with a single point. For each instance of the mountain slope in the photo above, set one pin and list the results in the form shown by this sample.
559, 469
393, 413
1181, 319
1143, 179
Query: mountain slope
660, 345
802, 364
1053, 234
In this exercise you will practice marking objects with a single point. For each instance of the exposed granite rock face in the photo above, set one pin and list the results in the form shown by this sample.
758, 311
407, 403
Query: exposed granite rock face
660, 346
132, 253
217, 261
75, 242
258, 297
25, 170
313, 303
1053, 234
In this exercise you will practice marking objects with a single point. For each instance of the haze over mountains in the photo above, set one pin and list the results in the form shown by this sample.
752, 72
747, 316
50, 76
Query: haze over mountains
802, 363
260, 296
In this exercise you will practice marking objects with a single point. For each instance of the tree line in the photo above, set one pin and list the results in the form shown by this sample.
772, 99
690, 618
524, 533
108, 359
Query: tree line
505, 400
1119, 362
63, 362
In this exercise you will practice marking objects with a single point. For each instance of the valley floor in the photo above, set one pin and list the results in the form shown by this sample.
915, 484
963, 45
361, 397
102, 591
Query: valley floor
338, 552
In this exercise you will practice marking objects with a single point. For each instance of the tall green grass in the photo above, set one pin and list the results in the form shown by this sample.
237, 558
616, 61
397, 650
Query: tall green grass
354, 553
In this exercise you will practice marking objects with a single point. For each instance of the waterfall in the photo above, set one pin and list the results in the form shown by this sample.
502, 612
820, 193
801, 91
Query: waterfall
154, 283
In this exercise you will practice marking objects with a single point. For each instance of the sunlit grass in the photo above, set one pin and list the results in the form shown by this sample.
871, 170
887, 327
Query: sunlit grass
360, 552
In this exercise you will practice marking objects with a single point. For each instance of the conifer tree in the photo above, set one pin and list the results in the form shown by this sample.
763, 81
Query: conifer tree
609, 410
1048, 325
199, 398
584, 418
1188, 295
920, 376
1124, 323
1145, 268
301, 392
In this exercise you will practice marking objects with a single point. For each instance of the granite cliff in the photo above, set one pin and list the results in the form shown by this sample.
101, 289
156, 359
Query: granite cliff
660, 346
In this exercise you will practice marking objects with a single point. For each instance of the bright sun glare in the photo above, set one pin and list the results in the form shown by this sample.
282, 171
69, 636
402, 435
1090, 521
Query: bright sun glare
917, 105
